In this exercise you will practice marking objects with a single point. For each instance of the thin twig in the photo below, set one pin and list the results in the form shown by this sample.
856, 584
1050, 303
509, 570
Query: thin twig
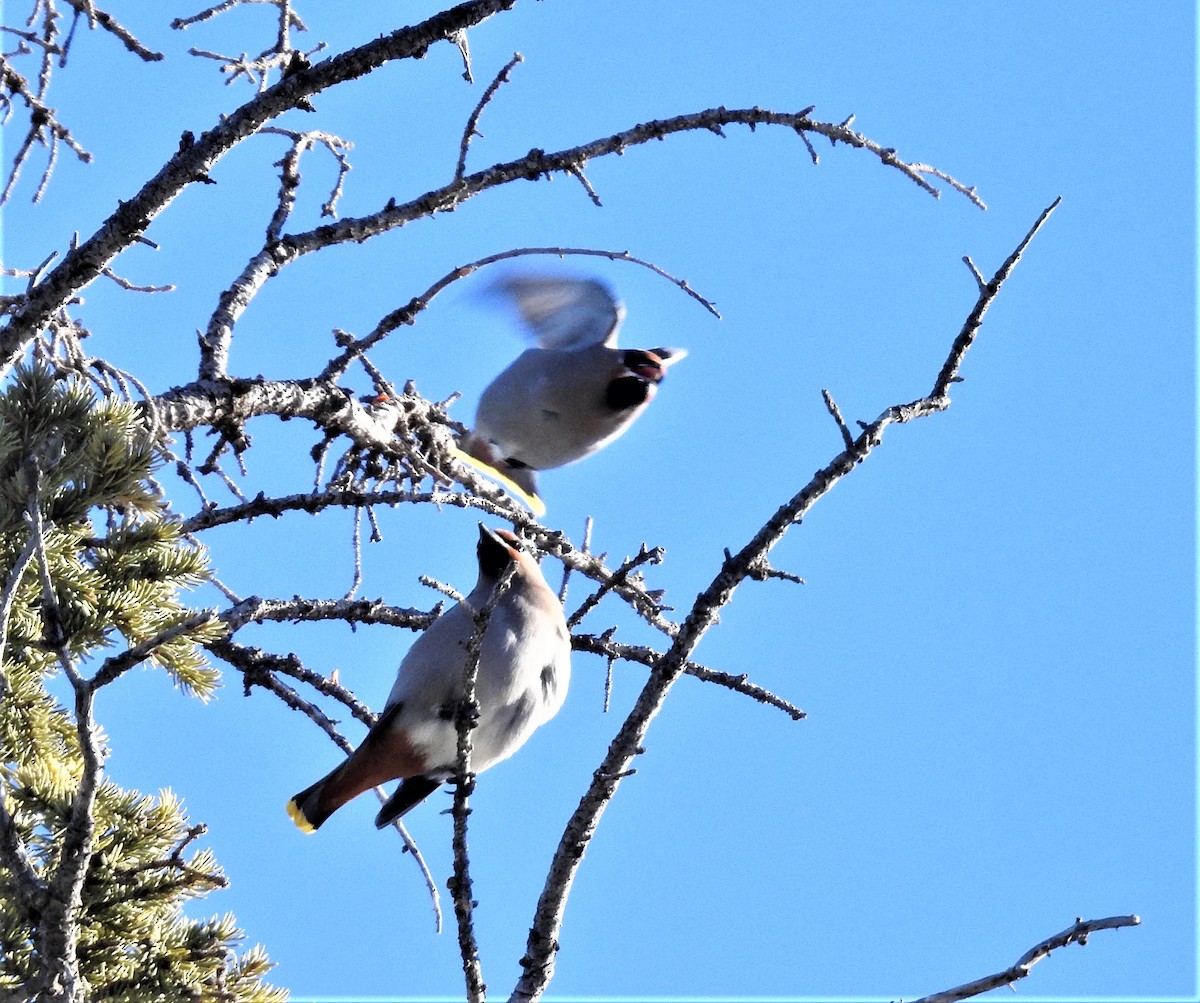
356, 547
979, 281
586, 548
408, 313
619, 577
832, 407
576, 171
410, 846
110, 24
133, 287
604, 646
471, 130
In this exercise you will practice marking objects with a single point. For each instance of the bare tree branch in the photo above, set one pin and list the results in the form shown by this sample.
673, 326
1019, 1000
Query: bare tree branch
542, 945
606, 647
466, 716
192, 163
1076, 933
103, 19
297, 609
652, 555
58, 931
534, 165
407, 314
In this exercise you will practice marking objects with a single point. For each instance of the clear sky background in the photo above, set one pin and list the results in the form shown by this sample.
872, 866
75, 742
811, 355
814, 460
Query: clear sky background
995, 644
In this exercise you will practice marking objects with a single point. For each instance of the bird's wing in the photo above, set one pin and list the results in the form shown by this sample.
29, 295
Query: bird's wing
565, 312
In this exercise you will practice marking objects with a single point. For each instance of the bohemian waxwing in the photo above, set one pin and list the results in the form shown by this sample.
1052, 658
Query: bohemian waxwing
524, 669
570, 396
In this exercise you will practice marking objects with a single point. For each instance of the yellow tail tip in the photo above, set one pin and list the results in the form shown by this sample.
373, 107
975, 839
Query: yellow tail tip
297, 816
531, 502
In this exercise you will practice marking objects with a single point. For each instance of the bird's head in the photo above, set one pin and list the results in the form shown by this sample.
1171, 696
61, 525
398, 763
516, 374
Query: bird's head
650, 364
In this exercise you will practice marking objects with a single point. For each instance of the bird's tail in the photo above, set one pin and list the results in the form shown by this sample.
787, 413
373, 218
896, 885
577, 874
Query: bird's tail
312, 806
384, 755
307, 809
409, 794
520, 483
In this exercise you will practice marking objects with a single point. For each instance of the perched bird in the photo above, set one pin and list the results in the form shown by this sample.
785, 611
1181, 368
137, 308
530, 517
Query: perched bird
524, 669
571, 395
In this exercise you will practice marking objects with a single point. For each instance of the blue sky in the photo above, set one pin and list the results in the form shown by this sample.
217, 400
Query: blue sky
995, 645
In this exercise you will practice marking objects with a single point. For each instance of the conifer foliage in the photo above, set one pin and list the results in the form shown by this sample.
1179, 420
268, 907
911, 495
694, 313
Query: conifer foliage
92, 906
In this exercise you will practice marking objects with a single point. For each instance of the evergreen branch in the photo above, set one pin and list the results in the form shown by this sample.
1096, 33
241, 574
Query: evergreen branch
542, 945
31, 890
116, 665
1076, 933
173, 860
180, 875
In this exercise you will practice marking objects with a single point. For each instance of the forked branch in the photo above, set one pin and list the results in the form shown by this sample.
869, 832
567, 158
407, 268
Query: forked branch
542, 945
86, 262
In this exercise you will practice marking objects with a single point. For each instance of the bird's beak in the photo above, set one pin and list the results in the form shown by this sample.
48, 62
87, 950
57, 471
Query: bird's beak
495, 552
670, 356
